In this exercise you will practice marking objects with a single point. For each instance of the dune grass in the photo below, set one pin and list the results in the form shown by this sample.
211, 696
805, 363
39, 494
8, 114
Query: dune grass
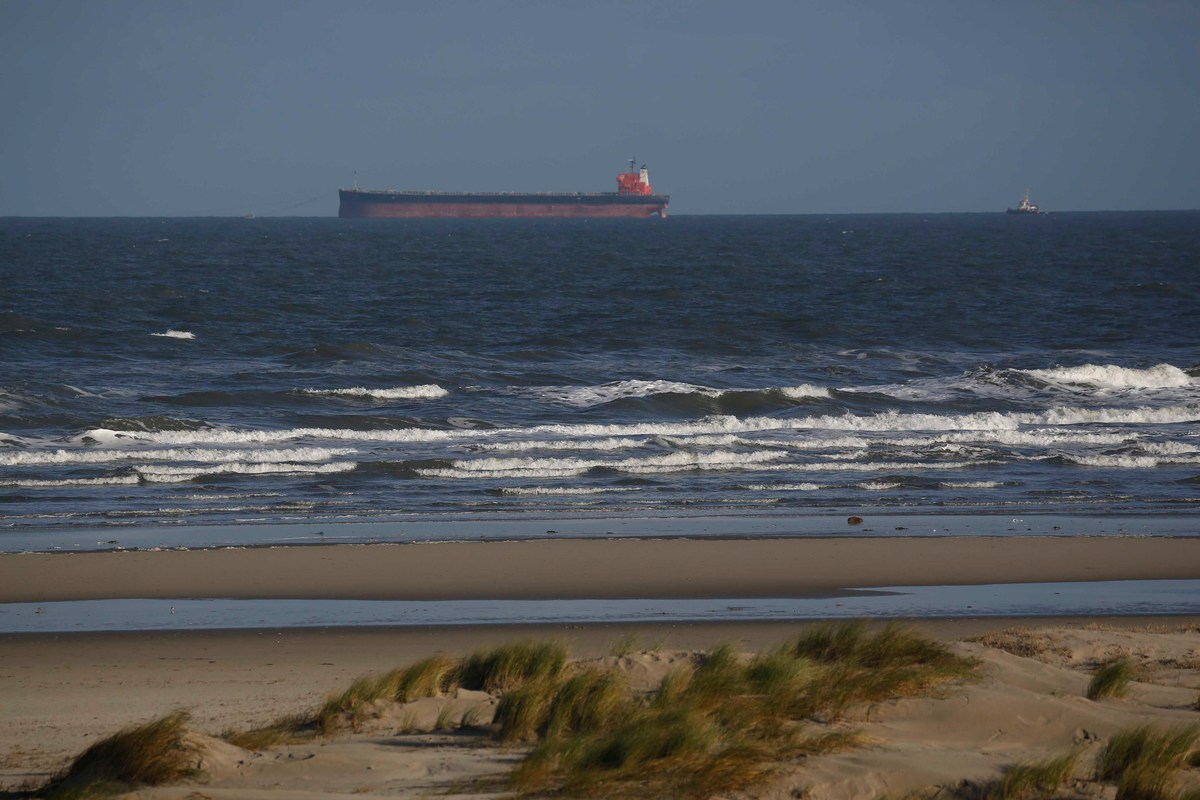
1040, 779
1147, 749
1111, 679
510, 665
720, 725
289, 728
505, 667
140, 755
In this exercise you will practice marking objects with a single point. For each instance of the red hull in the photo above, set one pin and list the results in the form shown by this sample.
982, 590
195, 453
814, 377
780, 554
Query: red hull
484, 210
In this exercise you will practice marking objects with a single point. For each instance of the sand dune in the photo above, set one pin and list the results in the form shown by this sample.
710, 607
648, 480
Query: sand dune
1027, 704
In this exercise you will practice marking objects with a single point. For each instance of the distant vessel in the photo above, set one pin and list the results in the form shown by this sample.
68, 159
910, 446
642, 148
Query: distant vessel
1026, 207
634, 198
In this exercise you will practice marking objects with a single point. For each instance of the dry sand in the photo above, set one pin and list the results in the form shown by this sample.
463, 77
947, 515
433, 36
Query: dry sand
58, 693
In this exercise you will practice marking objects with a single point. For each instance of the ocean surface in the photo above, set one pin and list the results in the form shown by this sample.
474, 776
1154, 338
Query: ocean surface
199, 372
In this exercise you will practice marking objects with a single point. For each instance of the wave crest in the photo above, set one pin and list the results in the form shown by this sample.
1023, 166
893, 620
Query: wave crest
1110, 376
429, 391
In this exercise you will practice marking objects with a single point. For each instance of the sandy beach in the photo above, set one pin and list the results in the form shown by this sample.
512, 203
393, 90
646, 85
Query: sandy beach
62, 692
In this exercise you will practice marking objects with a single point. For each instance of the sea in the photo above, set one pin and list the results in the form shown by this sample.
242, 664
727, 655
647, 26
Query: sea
164, 378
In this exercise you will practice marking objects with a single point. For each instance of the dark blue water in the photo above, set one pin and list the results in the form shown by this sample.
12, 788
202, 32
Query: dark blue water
217, 371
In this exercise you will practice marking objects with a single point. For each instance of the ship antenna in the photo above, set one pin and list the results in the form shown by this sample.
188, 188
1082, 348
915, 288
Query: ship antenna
633, 164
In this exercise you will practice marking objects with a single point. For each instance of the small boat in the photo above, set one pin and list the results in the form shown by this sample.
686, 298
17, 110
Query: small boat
1026, 207
248, 216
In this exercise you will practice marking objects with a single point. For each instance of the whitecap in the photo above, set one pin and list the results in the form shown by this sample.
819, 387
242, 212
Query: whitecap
427, 391
174, 334
970, 484
781, 487
92, 456
566, 467
541, 491
116, 480
586, 396
1109, 376
172, 474
804, 391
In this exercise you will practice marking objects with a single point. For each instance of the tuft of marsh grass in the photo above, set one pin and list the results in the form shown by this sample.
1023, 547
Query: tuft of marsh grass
510, 665
139, 755
504, 668
471, 717
429, 678
850, 644
523, 711
1111, 679
287, 729
1039, 779
590, 700
1146, 784
718, 725
355, 704
1147, 749
625, 645
408, 723
445, 718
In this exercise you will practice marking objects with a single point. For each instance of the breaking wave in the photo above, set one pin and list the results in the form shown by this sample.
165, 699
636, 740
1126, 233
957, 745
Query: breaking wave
549, 491
35, 457
167, 474
888, 421
1108, 376
115, 480
589, 396
428, 391
174, 334
566, 467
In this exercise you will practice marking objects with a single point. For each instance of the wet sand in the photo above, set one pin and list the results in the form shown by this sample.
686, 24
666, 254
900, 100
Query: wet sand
591, 568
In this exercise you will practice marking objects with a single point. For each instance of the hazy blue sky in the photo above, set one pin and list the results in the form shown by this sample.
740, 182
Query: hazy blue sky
175, 107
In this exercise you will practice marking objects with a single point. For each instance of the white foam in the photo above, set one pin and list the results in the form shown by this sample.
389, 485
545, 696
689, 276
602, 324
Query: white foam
1170, 448
1130, 461
970, 484
605, 444
804, 391
782, 487
878, 486
174, 334
251, 436
566, 467
94, 456
831, 443
428, 391
172, 474
586, 396
881, 466
1109, 376
116, 480
540, 491
886, 422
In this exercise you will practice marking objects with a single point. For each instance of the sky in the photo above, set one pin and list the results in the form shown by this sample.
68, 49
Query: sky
211, 107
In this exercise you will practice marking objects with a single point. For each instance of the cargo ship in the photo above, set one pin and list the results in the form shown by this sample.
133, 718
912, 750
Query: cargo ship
634, 197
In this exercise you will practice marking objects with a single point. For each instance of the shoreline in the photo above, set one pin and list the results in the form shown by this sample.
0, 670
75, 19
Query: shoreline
878, 524
576, 568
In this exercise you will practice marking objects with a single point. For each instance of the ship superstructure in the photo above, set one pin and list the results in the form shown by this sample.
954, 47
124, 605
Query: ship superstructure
634, 197
1025, 207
